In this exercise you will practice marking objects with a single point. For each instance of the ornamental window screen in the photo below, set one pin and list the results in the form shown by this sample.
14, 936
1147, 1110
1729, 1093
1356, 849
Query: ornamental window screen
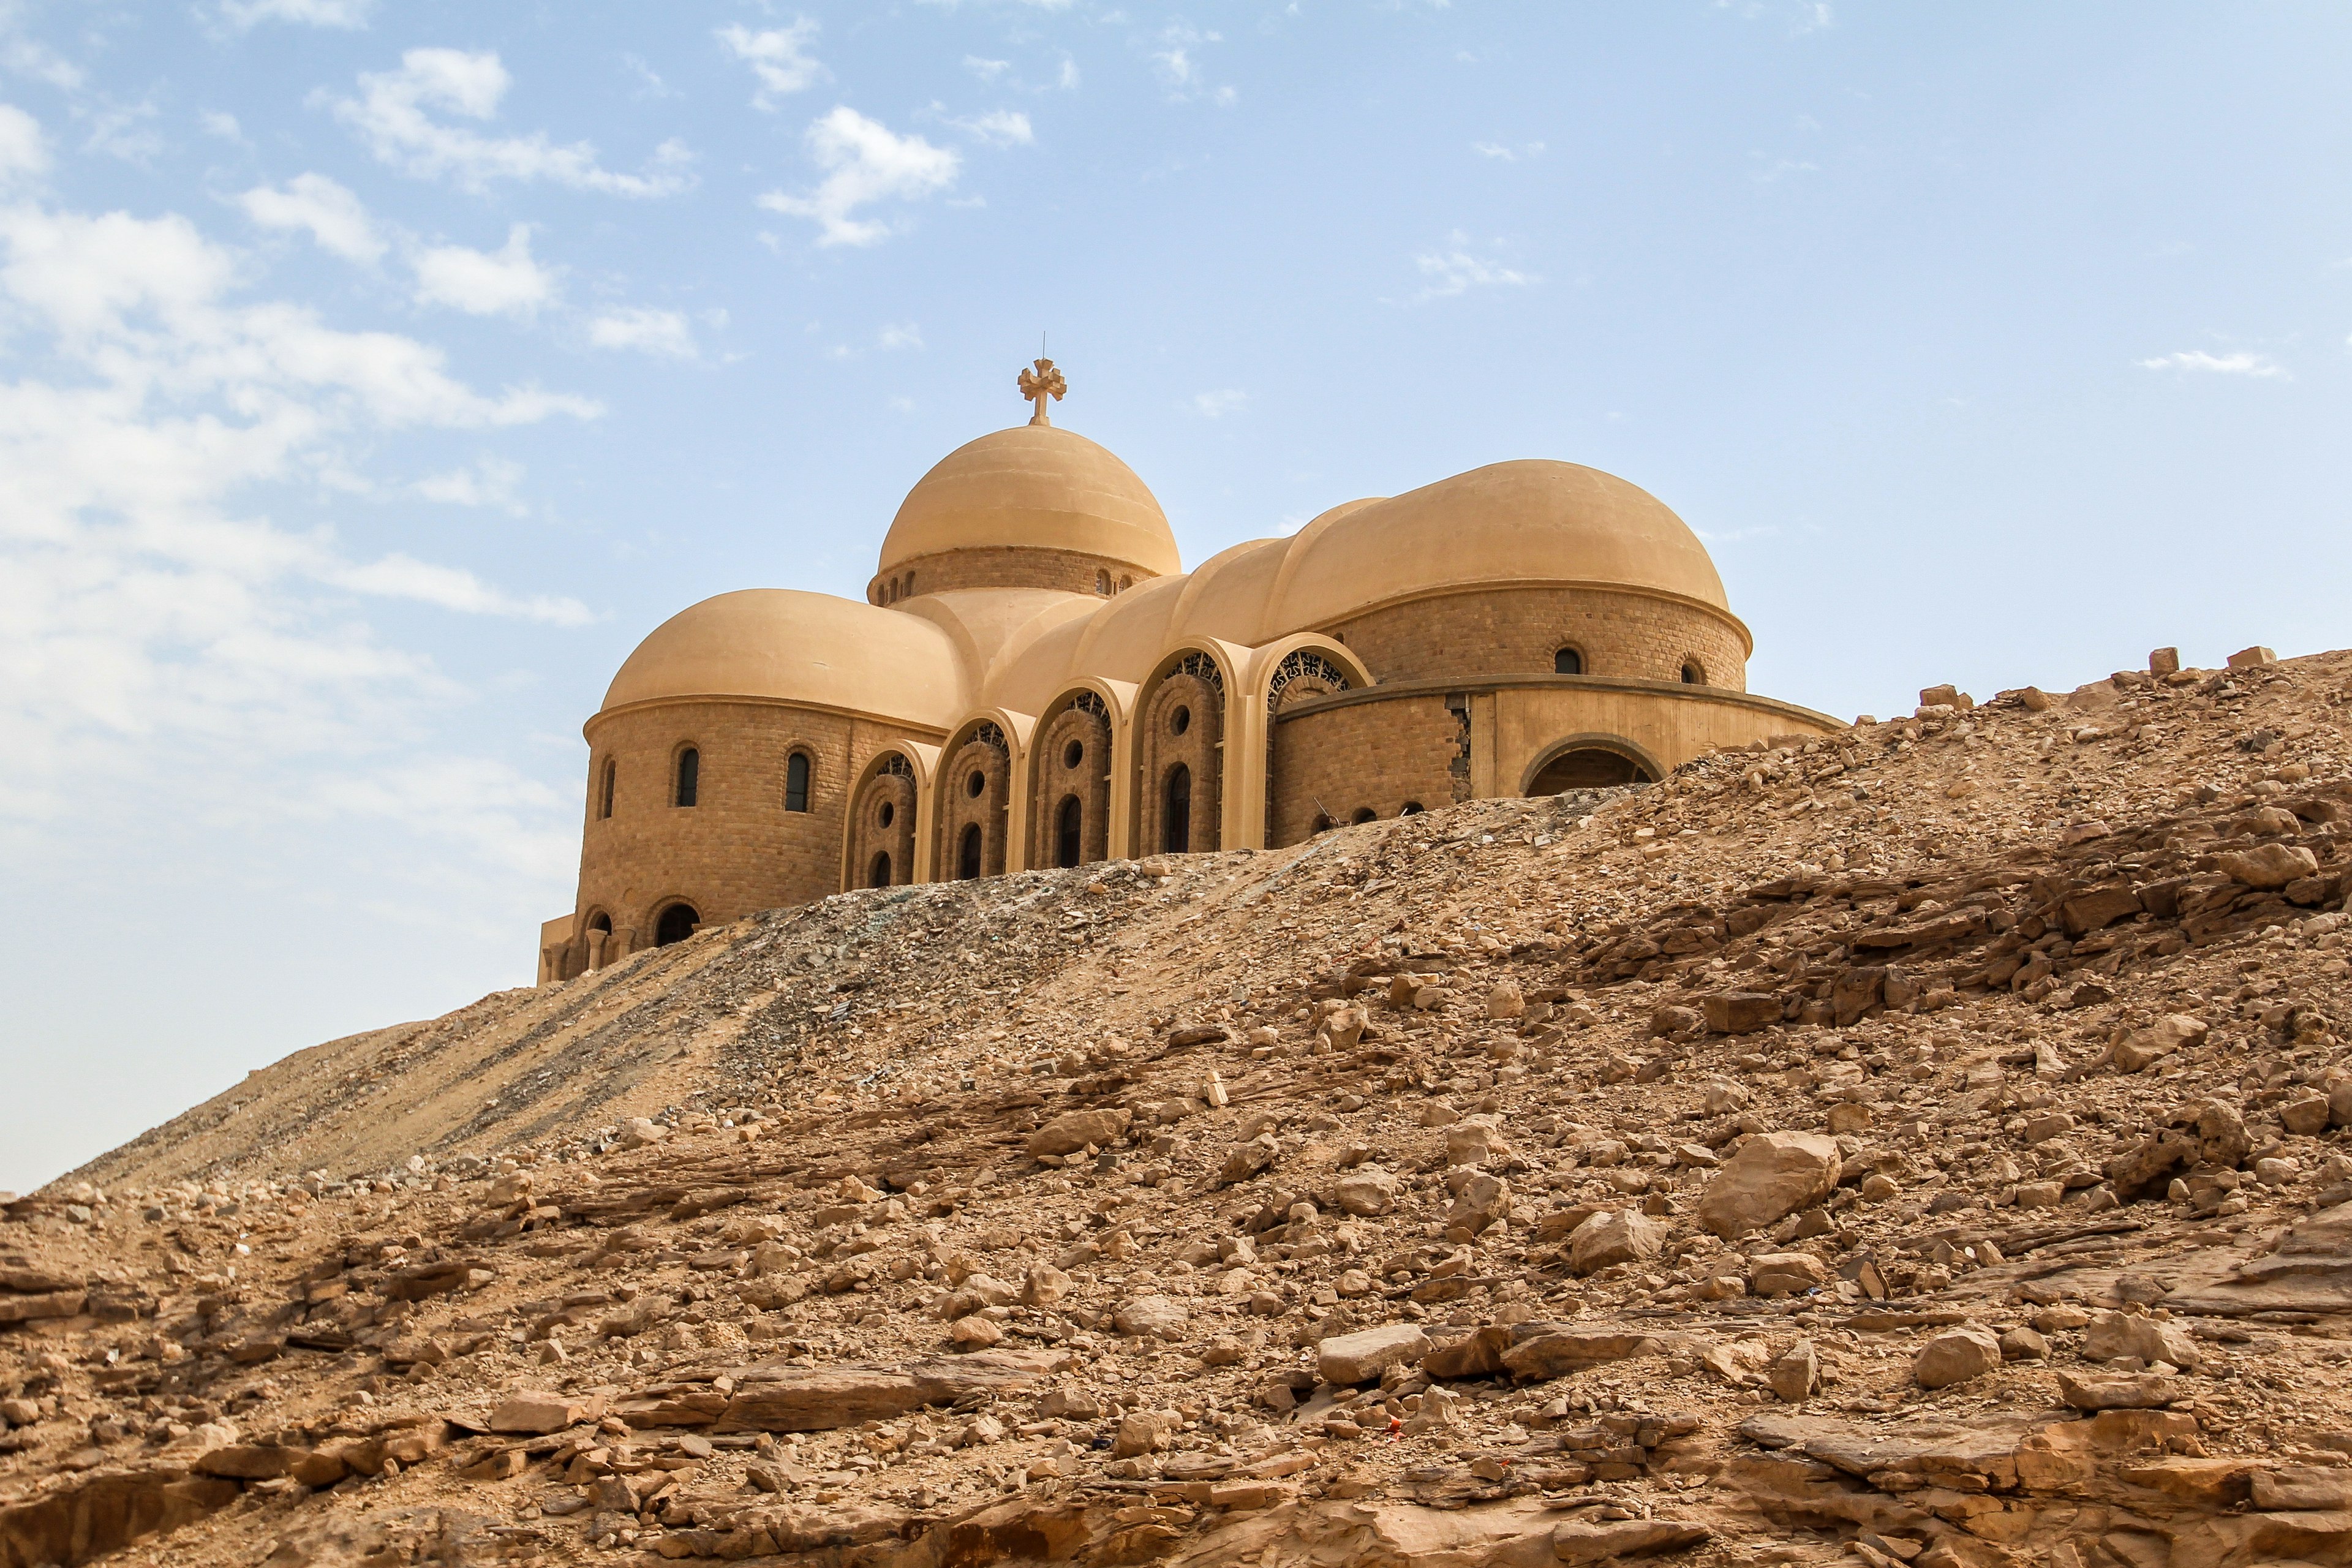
1304, 664
1090, 702
1202, 667
895, 766
988, 734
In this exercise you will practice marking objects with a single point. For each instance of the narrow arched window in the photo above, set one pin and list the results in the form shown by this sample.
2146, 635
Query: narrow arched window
1176, 822
967, 854
880, 877
1102, 584
605, 790
1067, 836
689, 776
1125, 583
796, 782
1692, 674
907, 586
1366, 814
1412, 808
1567, 661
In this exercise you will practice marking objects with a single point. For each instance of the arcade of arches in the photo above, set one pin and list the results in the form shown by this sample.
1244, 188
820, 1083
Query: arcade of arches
1034, 680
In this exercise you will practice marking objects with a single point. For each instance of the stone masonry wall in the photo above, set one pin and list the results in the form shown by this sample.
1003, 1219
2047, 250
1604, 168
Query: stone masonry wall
1068, 570
1517, 631
1375, 754
1199, 748
737, 849
1056, 781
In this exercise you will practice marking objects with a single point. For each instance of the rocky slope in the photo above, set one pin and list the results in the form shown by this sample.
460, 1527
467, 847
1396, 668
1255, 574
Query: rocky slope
1917, 1149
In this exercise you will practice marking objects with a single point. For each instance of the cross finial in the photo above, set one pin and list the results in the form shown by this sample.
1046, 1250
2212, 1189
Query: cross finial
1039, 384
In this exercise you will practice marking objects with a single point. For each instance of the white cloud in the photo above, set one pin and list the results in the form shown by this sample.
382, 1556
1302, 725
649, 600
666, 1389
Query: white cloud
1180, 69
23, 152
1069, 77
902, 335
778, 57
490, 482
221, 123
1504, 152
123, 130
1217, 404
143, 595
391, 115
865, 163
1457, 269
307, 13
999, 128
986, 70
2240, 364
333, 216
506, 281
646, 331
30, 58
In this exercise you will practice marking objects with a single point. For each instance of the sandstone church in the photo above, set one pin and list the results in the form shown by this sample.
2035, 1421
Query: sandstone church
1035, 681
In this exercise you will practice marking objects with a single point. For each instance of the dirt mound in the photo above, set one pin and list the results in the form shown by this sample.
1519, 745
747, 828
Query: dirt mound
1919, 1148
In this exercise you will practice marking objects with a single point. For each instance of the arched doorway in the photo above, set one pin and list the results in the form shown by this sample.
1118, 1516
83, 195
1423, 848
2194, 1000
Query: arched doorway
1176, 812
880, 877
1588, 767
675, 925
1069, 834
968, 853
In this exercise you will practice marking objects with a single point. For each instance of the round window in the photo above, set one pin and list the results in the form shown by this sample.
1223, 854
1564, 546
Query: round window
1073, 753
974, 785
1179, 721
889, 811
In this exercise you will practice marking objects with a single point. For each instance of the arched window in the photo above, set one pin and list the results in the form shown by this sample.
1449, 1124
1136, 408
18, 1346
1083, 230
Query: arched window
907, 586
676, 923
1366, 814
1412, 808
1176, 822
1067, 835
1073, 753
689, 776
1692, 674
1567, 661
604, 791
1102, 584
967, 854
796, 775
881, 874
1125, 583
601, 922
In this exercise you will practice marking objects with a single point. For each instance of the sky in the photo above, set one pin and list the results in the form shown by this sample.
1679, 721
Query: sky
372, 378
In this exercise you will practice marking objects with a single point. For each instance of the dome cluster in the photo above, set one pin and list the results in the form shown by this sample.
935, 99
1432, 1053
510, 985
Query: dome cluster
1034, 680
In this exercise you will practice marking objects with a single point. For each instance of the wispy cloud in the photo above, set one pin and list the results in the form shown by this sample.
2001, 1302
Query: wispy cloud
1177, 59
900, 335
487, 482
865, 162
1505, 152
2243, 363
334, 218
1457, 269
778, 57
394, 114
646, 331
306, 13
998, 127
1217, 404
504, 282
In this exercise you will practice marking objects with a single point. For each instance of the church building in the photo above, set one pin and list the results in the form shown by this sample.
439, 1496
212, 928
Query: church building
1034, 680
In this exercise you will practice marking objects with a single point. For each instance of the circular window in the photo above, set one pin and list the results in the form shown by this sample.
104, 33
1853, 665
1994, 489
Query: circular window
1179, 721
889, 811
974, 785
1073, 753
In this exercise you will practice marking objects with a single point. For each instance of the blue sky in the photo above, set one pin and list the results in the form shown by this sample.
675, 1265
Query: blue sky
377, 375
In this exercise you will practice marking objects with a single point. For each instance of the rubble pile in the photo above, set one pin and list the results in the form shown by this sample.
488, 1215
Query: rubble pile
1922, 1147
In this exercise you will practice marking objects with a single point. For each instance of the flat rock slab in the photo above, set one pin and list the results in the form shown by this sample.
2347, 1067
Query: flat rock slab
775, 1398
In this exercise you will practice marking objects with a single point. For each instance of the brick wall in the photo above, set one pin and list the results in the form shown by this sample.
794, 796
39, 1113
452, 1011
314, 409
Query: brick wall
960, 808
883, 824
737, 849
1068, 570
1517, 631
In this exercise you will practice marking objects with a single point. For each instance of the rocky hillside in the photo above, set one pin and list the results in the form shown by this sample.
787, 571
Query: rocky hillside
1917, 1149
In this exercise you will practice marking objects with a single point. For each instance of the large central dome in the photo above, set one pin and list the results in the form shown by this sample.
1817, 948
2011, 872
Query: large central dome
1032, 489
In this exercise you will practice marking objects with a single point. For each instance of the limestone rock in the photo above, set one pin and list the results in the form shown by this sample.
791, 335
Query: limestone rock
1956, 1355
640, 1131
2111, 1335
1362, 1356
537, 1413
1076, 1129
2140, 1391
1483, 1200
1247, 1160
1614, 1237
1796, 1373
1787, 1273
1143, 1432
1561, 1350
1740, 1012
2267, 866
1773, 1175
1579, 1543
1153, 1316
1504, 1001
1367, 1190
2174, 1032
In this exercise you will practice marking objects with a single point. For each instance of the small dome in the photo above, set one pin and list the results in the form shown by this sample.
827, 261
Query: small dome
808, 648
1037, 487
1529, 522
